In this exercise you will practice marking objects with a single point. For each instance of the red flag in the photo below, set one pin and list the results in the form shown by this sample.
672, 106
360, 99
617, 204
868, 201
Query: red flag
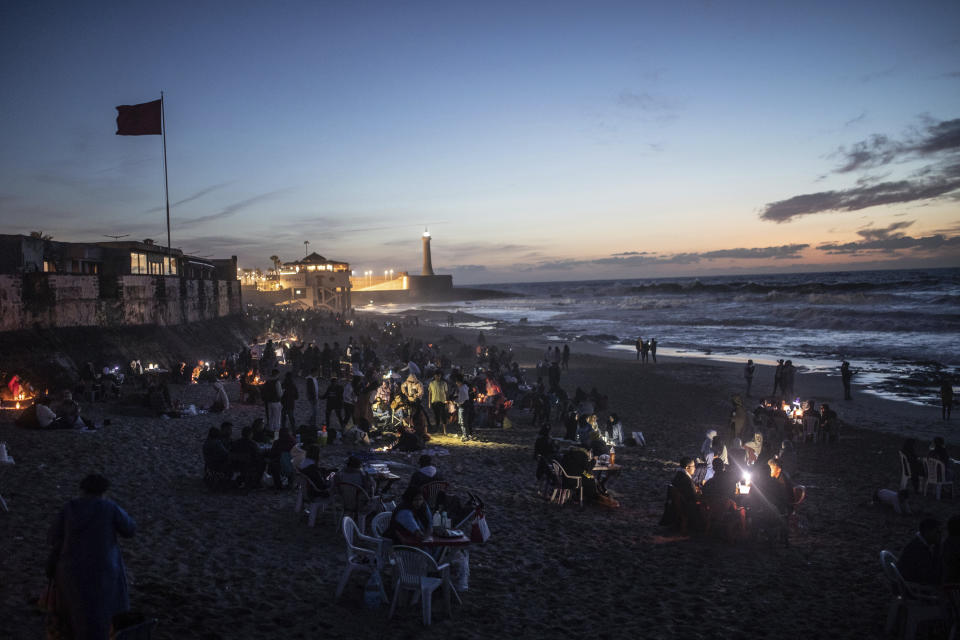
139, 119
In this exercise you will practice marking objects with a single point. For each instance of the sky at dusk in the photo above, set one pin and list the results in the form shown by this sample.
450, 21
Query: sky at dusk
536, 141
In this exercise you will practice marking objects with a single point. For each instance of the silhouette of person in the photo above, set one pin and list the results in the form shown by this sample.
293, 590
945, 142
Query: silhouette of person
653, 349
748, 372
846, 375
778, 377
639, 347
946, 398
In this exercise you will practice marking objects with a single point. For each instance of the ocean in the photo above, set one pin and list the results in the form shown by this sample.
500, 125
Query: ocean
900, 329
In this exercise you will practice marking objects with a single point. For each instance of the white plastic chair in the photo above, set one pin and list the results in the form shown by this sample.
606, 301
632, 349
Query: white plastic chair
380, 522
905, 472
354, 502
566, 484
365, 559
918, 609
413, 574
317, 504
937, 476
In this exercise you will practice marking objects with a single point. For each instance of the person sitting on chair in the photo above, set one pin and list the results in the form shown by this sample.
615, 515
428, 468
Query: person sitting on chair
215, 455
354, 475
427, 472
411, 518
317, 475
683, 504
718, 493
278, 459
920, 559
246, 459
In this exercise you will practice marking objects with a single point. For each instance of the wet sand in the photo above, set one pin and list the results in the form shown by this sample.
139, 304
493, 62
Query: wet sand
214, 565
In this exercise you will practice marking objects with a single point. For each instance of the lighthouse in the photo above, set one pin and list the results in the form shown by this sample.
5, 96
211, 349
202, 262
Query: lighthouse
427, 262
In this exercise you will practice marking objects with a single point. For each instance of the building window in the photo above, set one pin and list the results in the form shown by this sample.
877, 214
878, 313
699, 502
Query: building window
170, 265
299, 293
138, 263
156, 268
49, 267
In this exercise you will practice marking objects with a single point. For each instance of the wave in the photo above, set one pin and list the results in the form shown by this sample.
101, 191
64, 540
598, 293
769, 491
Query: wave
774, 288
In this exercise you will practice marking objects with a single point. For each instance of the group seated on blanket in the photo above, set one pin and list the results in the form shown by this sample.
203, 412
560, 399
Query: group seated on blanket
45, 415
232, 464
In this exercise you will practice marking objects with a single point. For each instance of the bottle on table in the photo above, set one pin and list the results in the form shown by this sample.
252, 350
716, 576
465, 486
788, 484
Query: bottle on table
323, 436
612, 456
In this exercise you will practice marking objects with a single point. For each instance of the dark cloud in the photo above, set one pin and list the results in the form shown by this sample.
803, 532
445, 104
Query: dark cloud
896, 192
891, 240
777, 253
638, 259
937, 143
879, 150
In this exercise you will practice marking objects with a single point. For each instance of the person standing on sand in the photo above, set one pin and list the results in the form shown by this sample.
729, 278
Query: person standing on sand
787, 377
85, 563
313, 396
946, 398
565, 358
748, 372
271, 393
778, 377
639, 347
653, 349
846, 375
644, 350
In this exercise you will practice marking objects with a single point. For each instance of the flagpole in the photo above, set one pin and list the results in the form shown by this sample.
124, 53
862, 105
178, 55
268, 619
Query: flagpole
166, 186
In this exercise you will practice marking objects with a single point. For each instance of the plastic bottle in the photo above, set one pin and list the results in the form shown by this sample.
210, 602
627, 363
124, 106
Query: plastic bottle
323, 436
437, 520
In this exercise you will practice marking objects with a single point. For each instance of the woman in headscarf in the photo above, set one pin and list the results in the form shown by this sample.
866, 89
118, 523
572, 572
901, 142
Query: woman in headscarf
221, 402
85, 561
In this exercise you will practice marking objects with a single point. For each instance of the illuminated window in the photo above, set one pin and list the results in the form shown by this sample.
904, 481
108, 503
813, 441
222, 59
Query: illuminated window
156, 268
138, 263
170, 265
49, 267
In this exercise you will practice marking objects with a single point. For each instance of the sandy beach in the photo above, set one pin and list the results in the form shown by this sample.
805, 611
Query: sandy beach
214, 565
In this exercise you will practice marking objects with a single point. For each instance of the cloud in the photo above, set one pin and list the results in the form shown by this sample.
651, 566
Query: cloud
856, 120
467, 268
777, 253
890, 240
198, 194
231, 209
937, 143
638, 259
879, 150
644, 101
862, 197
